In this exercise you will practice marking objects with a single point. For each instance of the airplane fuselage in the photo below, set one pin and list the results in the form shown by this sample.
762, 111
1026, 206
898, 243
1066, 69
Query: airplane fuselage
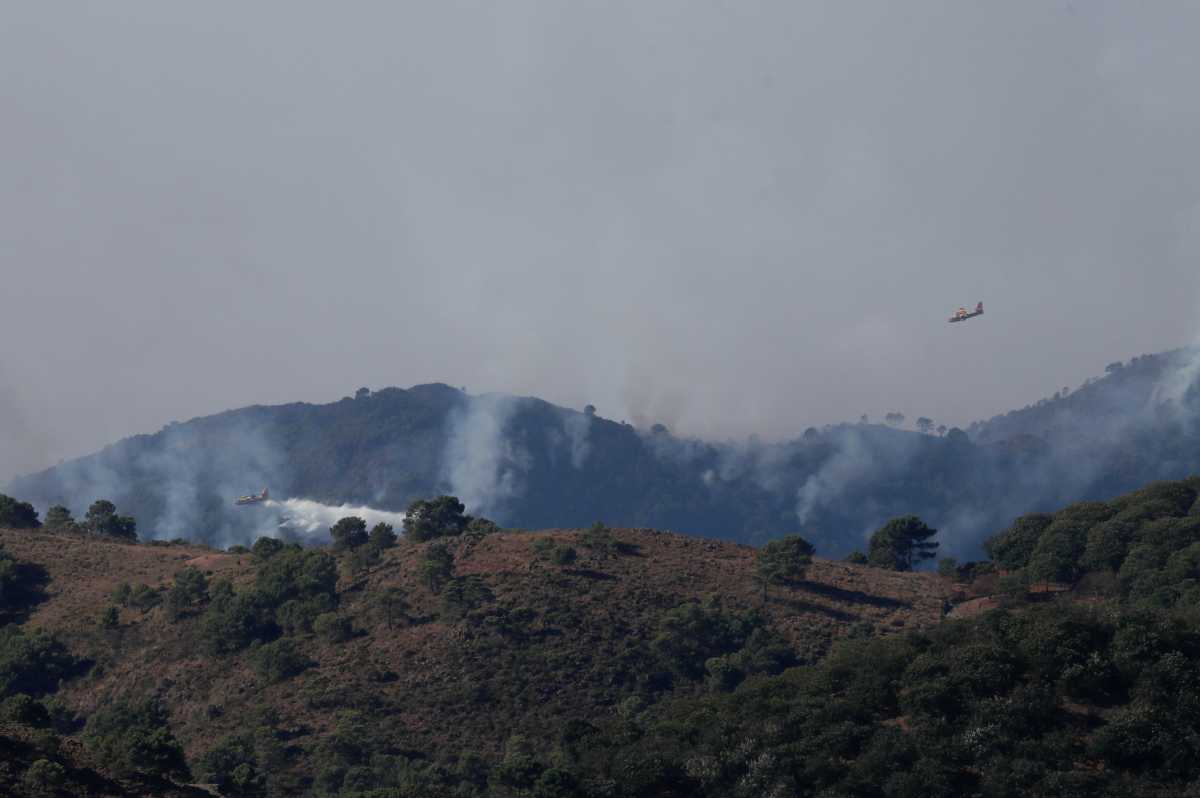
253, 499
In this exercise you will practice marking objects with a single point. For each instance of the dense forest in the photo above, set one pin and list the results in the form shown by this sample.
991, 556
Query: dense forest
462, 659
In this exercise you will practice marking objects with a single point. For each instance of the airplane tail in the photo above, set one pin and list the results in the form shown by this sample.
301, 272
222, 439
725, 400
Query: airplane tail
979, 308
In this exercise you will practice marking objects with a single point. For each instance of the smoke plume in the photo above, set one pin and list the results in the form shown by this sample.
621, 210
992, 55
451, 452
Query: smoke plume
483, 464
311, 520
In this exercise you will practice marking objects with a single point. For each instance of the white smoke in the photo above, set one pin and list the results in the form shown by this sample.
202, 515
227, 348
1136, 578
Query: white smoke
312, 520
577, 426
483, 466
1176, 382
853, 462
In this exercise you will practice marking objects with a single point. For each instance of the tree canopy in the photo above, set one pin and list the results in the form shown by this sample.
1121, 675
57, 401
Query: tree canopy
901, 544
17, 514
427, 519
782, 561
58, 517
102, 519
349, 532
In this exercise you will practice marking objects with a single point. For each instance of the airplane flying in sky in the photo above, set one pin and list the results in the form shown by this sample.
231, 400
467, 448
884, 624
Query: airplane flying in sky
962, 315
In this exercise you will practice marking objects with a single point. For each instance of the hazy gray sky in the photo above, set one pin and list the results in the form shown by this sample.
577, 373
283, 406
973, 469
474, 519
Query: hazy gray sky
731, 217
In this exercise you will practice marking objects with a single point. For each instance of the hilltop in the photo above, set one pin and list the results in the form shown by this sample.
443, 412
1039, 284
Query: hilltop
531, 464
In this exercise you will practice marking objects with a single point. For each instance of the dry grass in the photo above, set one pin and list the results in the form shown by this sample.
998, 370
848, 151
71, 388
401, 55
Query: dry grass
585, 613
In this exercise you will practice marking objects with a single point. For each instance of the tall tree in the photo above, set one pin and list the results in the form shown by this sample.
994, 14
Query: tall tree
349, 532
924, 424
394, 604
190, 589
102, 519
902, 543
383, 536
130, 738
436, 567
58, 517
427, 519
16, 514
782, 561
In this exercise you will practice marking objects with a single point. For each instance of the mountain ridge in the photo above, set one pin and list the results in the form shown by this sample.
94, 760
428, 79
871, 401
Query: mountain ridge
528, 463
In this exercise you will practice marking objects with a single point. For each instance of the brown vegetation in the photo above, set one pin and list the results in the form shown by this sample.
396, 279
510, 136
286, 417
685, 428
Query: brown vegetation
432, 671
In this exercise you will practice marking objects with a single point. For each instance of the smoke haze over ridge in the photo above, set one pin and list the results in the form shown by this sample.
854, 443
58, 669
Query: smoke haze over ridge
730, 219
529, 464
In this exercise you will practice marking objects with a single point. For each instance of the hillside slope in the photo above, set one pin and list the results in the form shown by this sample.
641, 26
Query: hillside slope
606, 663
548, 645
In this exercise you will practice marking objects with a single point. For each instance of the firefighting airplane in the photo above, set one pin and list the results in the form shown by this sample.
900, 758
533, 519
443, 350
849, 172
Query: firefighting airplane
252, 499
962, 315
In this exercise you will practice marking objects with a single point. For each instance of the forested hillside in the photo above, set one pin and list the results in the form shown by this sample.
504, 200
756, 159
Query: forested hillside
475, 664
531, 464
466, 661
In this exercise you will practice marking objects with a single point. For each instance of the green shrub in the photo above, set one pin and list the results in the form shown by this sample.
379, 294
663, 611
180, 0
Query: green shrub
436, 567
144, 598
333, 627
17, 514
393, 603
131, 737
462, 595
692, 633
296, 616
122, 594
25, 710
782, 561
233, 621
901, 544
58, 519
296, 573
1012, 548
32, 662
383, 536
280, 660
427, 519
102, 519
599, 539
564, 555
44, 778
265, 548
21, 583
232, 766
349, 533
358, 560
478, 527
188, 592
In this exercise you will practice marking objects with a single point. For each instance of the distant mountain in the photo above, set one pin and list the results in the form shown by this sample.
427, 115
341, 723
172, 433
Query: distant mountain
528, 463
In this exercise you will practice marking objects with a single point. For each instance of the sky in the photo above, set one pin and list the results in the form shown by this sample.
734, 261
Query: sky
728, 217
